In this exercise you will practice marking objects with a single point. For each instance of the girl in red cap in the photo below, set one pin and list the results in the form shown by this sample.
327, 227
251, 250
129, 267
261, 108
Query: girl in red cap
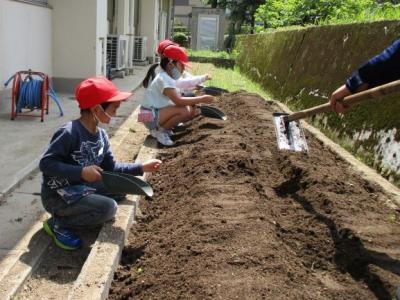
162, 45
72, 190
162, 98
187, 82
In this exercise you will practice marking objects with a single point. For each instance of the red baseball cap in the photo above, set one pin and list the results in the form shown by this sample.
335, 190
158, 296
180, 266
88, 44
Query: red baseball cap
177, 53
164, 44
97, 90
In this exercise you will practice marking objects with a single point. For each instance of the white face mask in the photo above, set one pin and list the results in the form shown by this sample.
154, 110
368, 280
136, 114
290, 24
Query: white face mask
175, 74
111, 120
113, 123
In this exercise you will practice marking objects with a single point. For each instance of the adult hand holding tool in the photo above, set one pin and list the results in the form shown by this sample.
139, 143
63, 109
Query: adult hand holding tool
378, 70
349, 101
290, 134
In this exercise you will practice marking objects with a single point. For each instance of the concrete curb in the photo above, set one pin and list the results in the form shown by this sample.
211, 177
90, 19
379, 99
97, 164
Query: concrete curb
17, 270
95, 278
360, 168
21, 176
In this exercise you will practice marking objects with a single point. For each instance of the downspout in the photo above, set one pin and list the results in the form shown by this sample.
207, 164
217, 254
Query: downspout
139, 20
172, 19
115, 10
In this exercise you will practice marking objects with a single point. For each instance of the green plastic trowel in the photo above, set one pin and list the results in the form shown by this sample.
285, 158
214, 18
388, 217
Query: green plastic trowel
126, 184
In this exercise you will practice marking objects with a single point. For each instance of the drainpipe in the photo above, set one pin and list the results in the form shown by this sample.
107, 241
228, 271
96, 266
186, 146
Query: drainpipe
115, 14
172, 20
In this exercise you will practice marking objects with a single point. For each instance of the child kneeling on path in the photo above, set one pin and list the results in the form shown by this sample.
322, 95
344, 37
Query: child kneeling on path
72, 190
161, 97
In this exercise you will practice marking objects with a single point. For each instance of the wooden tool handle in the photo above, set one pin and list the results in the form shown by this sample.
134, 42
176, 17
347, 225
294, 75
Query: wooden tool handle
350, 101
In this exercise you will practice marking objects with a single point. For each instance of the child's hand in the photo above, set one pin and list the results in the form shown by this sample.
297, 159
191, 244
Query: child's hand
208, 77
91, 173
199, 91
207, 99
152, 165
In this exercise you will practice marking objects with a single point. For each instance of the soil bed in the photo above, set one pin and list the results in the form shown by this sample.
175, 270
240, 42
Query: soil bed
234, 218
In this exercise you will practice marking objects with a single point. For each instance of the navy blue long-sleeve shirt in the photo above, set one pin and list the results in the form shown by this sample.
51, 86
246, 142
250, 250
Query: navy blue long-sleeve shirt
381, 69
74, 147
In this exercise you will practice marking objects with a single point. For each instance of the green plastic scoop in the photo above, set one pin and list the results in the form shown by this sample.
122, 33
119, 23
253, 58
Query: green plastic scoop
212, 112
126, 184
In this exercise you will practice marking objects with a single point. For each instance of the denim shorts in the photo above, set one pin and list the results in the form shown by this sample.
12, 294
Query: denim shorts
155, 123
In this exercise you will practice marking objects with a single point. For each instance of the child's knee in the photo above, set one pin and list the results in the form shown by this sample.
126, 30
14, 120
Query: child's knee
188, 113
109, 210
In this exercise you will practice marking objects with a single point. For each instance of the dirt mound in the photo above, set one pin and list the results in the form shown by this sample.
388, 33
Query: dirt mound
234, 218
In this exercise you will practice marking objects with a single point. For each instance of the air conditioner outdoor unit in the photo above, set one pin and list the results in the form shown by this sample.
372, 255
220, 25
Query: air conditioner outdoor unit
139, 48
117, 46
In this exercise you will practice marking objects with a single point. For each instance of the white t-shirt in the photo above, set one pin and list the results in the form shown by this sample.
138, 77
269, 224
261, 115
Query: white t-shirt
153, 96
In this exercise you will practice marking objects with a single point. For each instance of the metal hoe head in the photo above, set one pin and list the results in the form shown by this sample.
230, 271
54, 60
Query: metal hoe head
290, 135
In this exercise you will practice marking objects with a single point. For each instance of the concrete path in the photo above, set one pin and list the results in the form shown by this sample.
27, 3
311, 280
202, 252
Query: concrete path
22, 143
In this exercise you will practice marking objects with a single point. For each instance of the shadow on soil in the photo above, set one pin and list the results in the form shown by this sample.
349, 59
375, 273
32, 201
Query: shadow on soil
130, 255
350, 254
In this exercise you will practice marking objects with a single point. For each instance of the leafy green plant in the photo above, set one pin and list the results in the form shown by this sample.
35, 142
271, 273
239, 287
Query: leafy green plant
282, 13
384, 11
181, 38
180, 29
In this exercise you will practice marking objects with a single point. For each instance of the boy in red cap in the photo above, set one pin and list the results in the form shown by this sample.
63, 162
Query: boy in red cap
72, 190
162, 98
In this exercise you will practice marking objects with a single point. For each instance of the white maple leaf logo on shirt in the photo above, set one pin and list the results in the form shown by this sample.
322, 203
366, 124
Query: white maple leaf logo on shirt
89, 154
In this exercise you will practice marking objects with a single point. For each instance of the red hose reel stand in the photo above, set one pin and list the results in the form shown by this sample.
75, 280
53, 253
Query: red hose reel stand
21, 76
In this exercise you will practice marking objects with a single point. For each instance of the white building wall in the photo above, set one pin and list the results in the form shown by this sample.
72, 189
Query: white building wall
149, 25
123, 15
101, 37
125, 26
25, 39
79, 32
74, 38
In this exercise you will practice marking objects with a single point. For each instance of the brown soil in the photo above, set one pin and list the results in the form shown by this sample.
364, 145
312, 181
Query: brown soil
234, 218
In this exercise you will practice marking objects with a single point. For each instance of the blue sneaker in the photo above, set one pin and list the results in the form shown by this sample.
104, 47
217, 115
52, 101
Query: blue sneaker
63, 238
